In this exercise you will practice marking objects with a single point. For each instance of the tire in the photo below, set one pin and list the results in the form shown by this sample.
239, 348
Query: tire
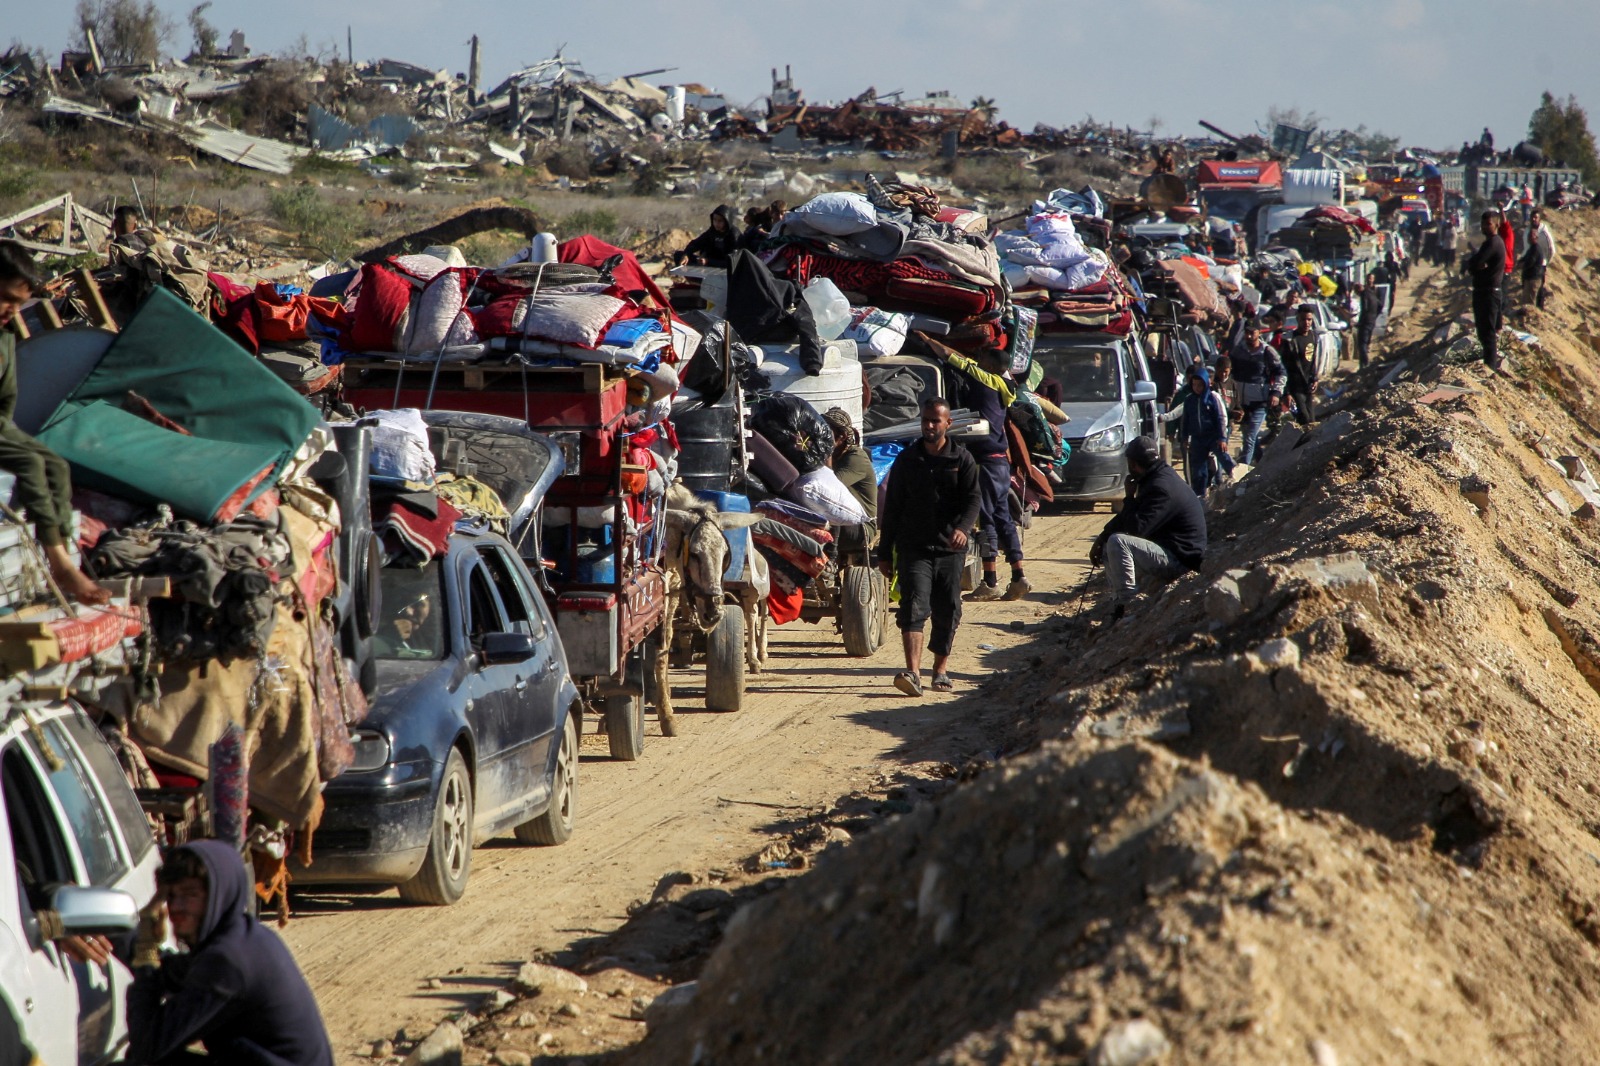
443, 877
862, 596
554, 826
624, 727
725, 663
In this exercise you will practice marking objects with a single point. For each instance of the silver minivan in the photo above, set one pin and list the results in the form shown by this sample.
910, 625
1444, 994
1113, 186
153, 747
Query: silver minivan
1105, 387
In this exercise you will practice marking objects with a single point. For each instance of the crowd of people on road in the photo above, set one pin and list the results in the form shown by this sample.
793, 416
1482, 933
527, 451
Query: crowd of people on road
1491, 266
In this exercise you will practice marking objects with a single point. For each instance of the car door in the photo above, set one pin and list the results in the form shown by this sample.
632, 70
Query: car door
114, 849
487, 687
40, 983
536, 686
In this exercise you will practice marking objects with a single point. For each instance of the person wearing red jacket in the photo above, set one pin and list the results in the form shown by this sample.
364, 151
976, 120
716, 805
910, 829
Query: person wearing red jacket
1509, 237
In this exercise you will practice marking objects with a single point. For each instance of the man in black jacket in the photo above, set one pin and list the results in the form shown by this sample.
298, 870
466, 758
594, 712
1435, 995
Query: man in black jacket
237, 991
1486, 267
1300, 363
1371, 309
1160, 534
929, 509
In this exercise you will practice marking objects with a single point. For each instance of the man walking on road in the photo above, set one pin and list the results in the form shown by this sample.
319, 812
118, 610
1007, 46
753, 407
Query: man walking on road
1258, 369
929, 510
1486, 267
1300, 365
1536, 260
1371, 309
1159, 535
990, 393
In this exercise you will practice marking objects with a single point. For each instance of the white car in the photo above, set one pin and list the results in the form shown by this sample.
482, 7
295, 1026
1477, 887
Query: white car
71, 819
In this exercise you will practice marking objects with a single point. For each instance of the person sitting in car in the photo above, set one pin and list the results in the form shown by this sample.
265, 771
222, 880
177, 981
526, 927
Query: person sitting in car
407, 633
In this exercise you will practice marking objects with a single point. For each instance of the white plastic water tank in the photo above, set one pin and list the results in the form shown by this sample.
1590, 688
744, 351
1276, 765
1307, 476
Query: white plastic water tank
839, 384
544, 248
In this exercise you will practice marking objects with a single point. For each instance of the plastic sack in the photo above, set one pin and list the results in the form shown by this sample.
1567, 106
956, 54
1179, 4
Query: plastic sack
823, 492
877, 332
829, 309
400, 445
795, 429
838, 213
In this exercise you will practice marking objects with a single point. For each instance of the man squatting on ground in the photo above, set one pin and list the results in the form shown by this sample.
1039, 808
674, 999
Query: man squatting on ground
932, 503
1160, 533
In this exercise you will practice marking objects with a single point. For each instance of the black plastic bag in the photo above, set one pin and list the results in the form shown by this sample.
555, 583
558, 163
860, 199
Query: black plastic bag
794, 428
707, 373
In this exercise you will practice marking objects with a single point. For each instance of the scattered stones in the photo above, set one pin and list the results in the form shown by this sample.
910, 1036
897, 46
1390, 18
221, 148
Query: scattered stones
497, 1001
538, 978
569, 1010
1130, 1044
1322, 1053
433, 984
382, 1049
1224, 603
527, 1020
669, 1003
1558, 502
511, 1057
442, 1047
1280, 654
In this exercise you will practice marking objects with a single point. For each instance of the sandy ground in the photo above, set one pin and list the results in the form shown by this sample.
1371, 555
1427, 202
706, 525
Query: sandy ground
819, 725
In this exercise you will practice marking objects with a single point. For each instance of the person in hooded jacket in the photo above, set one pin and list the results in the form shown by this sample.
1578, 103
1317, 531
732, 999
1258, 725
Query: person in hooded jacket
1158, 536
716, 244
237, 991
1205, 428
1258, 368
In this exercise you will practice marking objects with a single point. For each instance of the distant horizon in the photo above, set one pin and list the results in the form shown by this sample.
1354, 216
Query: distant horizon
1429, 72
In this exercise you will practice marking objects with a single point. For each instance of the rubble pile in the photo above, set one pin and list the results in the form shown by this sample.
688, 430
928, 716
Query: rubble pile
1327, 801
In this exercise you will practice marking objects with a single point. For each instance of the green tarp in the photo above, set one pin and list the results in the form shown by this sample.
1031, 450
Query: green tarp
244, 419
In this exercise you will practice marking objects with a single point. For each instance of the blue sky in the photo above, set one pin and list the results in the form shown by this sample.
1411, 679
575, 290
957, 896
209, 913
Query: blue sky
1433, 72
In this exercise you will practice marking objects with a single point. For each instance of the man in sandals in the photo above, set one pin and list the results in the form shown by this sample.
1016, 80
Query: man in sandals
931, 505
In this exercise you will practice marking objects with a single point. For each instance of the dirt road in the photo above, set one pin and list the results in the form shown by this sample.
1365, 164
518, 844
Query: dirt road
817, 725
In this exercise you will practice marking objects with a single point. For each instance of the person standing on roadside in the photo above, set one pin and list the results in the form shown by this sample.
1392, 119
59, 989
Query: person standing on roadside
1159, 535
1486, 267
930, 507
1370, 303
1300, 364
1204, 429
1258, 368
989, 392
1536, 260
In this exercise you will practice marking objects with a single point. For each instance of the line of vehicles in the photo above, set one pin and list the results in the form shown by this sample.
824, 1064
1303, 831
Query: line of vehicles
488, 663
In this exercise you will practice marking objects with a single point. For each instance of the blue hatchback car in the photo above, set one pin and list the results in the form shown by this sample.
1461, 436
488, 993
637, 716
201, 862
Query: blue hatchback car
473, 731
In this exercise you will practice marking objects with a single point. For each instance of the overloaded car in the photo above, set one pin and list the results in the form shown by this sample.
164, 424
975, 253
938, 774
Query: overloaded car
473, 731
82, 858
1106, 388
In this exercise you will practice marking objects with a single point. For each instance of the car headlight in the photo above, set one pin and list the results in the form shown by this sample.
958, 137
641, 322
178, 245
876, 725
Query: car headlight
372, 750
1110, 439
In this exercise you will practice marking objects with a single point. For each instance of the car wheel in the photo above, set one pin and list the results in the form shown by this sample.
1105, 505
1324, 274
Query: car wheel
624, 726
443, 877
554, 826
725, 663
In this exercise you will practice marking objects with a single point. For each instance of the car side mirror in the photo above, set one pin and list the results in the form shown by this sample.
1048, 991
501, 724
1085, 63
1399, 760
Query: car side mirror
93, 911
501, 648
1144, 391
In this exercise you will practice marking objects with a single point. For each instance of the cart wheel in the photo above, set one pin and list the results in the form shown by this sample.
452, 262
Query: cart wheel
725, 663
862, 595
624, 726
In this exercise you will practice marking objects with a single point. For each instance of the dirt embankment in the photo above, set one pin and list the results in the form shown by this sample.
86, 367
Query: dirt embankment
1326, 808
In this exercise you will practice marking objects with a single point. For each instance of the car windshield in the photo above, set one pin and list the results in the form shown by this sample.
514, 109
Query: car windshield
1085, 374
411, 624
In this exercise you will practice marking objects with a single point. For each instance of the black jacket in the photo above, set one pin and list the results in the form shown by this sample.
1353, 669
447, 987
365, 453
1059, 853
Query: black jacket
1299, 360
766, 308
1487, 264
715, 246
1371, 309
929, 497
238, 991
1258, 373
1165, 511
